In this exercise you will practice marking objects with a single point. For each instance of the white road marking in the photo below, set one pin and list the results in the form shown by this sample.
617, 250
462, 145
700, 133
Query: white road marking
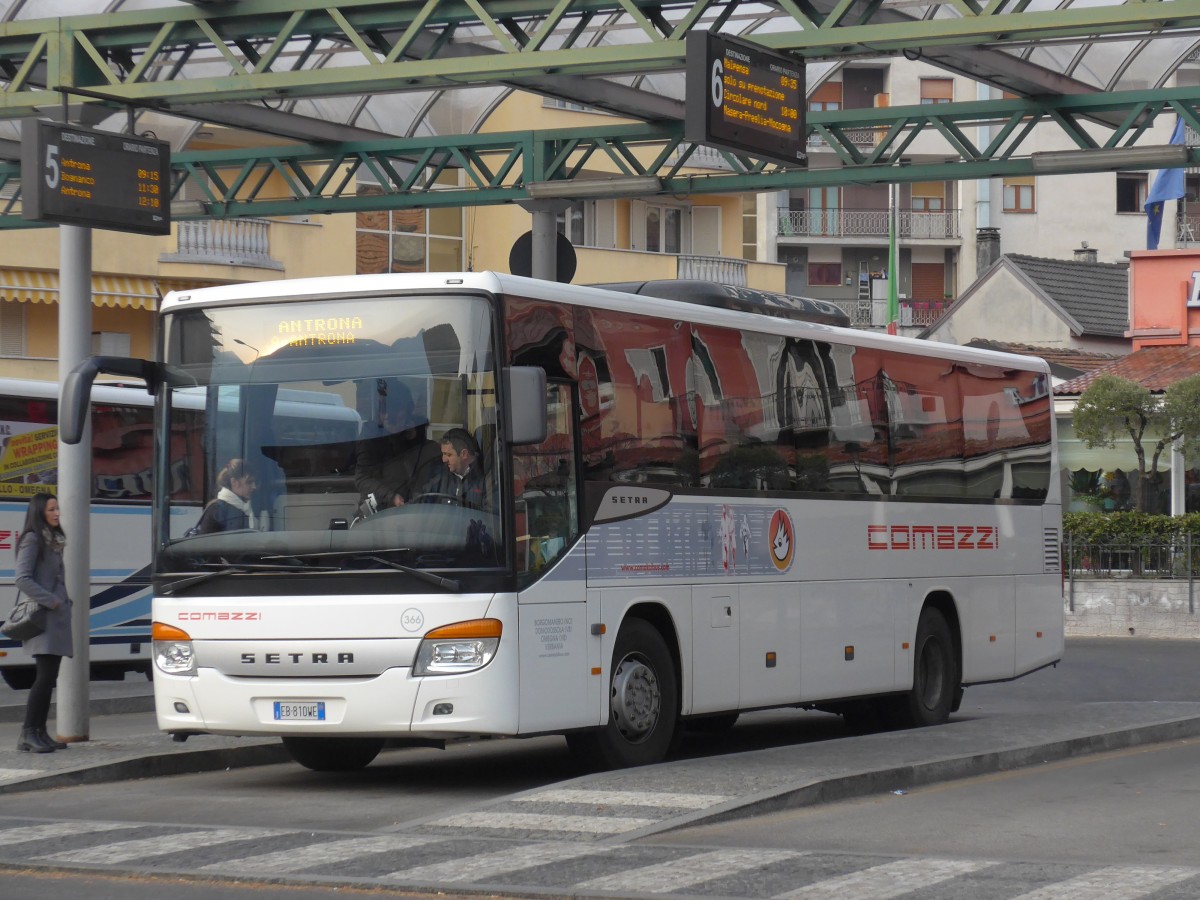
26, 833
540, 822
892, 879
297, 858
123, 851
1113, 883
681, 873
489, 865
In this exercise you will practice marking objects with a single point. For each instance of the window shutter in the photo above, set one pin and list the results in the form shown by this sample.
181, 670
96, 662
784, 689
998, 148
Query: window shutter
12, 328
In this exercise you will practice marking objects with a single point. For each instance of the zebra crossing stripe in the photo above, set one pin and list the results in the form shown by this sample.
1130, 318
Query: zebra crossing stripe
296, 859
690, 870
544, 822
892, 879
489, 865
123, 851
624, 798
1113, 883
26, 833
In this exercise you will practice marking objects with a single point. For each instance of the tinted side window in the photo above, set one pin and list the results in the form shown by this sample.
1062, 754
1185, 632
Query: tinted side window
122, 452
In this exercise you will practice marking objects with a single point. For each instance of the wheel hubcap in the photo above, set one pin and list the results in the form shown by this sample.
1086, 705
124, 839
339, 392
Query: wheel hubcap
636, 698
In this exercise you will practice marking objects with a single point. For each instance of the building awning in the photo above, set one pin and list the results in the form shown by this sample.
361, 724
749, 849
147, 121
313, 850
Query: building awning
39, 286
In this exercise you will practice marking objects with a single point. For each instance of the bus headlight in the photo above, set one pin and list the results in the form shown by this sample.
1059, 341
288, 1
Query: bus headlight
461, 647
173, 654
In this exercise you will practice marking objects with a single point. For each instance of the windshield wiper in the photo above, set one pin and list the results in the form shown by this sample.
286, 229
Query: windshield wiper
449, 584
241, 569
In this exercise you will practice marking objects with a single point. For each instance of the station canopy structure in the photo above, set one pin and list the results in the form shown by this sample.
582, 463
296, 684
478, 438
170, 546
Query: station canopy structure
311, 93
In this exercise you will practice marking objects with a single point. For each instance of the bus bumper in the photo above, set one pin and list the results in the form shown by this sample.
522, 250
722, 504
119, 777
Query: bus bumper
391, 704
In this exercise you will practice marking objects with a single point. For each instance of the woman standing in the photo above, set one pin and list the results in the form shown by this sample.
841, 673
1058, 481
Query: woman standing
42, 576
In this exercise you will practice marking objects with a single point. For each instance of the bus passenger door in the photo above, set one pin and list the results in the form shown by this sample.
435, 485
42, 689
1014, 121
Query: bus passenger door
558, 689
715, 648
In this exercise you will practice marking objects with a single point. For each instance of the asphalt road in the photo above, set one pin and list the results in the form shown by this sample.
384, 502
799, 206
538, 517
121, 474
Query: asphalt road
1103, 826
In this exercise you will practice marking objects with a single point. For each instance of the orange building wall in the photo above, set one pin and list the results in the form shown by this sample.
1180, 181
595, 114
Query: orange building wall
1160, 283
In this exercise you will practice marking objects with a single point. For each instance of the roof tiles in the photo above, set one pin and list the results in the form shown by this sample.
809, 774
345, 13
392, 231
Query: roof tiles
1065, 358
1095, 294
1154, 368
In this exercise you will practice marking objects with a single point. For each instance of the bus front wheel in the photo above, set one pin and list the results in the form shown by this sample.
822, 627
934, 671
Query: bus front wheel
936, 673
643, 704
18, 678
331, 754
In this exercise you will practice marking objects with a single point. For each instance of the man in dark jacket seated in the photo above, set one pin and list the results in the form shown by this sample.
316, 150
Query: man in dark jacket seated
462, 479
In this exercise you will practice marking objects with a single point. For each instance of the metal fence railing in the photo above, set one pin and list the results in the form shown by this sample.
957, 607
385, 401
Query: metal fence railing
1176, 557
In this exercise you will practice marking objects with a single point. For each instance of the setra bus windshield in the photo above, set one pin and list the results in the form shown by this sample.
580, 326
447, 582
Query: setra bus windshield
343, 433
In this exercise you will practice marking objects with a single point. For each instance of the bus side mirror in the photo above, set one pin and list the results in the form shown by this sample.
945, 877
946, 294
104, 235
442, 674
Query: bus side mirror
77, 389
526, 403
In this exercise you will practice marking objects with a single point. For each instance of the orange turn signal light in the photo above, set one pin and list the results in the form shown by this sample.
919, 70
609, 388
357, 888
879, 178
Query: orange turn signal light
161, 632
473, 628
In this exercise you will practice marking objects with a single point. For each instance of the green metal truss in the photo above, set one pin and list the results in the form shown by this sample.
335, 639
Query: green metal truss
263, 49
872, 144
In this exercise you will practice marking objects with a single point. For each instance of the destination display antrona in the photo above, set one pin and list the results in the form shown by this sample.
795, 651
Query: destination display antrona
78, 176
745, 98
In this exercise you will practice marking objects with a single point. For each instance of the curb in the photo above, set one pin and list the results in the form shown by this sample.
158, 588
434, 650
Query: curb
180, 762
910, 775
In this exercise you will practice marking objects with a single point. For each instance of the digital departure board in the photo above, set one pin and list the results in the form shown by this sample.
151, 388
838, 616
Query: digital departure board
745, 98
95, 178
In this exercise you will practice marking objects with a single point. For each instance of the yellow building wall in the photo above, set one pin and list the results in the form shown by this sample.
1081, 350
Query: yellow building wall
322, 245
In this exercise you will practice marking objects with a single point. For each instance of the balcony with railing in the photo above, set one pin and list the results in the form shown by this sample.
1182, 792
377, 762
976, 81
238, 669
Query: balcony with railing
866, 313
228, 242
1189, 231
712, 268
868, 223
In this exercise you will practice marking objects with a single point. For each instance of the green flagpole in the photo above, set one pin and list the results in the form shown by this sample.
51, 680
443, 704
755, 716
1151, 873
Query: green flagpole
893, 282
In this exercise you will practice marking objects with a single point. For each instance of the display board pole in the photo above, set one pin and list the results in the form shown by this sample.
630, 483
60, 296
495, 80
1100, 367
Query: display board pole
74, 479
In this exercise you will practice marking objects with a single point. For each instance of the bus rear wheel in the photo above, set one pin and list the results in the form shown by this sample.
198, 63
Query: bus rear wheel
643, 704
936, 673
331, 754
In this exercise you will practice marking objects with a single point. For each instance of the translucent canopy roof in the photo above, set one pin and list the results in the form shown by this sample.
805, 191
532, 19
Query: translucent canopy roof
1139, 58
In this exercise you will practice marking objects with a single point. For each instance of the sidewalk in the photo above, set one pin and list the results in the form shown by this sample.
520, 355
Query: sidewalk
125, 744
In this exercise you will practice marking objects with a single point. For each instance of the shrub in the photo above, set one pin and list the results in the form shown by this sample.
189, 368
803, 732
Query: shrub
1127, 527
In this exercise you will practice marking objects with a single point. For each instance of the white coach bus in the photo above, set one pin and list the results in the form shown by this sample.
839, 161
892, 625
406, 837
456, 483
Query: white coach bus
692, 512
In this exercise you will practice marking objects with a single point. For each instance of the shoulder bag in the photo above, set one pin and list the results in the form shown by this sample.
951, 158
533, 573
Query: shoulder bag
27, 620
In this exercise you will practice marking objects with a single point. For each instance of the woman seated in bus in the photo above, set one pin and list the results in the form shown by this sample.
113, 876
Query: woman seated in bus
231, 510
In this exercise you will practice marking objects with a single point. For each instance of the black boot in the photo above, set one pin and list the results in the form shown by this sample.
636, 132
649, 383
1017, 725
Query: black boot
31, 742
46, 739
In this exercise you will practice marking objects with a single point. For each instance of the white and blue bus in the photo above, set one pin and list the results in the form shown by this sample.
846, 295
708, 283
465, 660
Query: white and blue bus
122, 436
697, 511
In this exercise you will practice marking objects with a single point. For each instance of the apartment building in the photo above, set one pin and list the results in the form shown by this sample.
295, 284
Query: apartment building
834, 240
